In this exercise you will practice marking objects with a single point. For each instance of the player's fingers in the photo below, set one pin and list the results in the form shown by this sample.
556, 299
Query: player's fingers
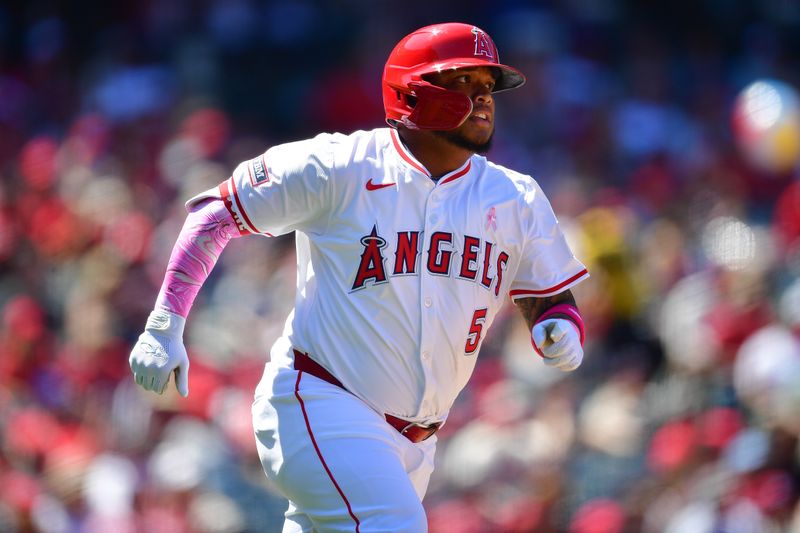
555, 362
133, 361
149, 381
564, 337
551, 350
539, 334
556, 332
138, 378
563, 359
570, 364
182, 378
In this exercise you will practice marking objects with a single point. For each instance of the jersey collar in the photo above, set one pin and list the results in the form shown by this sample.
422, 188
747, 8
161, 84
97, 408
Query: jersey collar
410, 160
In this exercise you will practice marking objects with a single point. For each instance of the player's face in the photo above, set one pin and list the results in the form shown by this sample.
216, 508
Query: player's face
475, 134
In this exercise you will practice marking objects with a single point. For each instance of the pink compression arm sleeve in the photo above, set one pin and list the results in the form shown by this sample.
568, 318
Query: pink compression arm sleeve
206, 232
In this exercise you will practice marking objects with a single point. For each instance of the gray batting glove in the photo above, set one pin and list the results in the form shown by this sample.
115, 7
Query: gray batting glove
159, 352
559, 342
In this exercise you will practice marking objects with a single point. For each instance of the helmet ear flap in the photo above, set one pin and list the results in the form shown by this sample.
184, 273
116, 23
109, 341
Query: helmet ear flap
437, 108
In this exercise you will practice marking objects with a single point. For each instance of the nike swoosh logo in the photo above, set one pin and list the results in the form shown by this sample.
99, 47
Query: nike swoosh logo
373, 187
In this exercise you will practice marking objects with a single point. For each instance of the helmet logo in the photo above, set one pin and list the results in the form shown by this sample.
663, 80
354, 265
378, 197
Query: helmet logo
483, 46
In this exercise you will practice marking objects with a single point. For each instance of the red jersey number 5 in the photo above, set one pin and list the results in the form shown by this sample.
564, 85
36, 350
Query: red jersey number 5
475, 329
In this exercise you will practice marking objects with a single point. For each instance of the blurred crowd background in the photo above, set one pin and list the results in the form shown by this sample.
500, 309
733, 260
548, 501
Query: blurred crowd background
685, 415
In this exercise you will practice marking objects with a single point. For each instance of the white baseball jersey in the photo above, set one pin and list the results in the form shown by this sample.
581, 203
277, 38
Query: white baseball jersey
399, 277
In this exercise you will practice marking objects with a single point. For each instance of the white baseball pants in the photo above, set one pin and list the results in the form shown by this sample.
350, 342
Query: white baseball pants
338, 462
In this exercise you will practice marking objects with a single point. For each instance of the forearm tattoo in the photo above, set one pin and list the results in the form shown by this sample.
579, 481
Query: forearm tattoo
532, 308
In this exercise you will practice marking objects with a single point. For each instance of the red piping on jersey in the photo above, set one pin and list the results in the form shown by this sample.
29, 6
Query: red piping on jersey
241, 209
458, 174
401, 149
406, 157
546, 292
319, 454
225, 194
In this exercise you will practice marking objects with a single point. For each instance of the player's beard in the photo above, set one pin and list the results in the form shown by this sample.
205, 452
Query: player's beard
459, 139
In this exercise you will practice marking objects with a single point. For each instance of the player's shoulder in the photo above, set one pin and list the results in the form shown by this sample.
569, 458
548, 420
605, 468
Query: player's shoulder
359, 147
344, 143
330, 149
358, 139
515, 183
319, 143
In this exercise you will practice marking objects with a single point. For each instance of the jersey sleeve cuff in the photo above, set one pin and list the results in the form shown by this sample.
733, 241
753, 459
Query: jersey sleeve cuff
230, 196
550, 291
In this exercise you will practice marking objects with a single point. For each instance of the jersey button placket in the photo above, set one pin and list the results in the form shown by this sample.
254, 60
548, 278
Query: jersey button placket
431, 218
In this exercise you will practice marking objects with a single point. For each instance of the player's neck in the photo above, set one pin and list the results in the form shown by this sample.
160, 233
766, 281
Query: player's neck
438, 155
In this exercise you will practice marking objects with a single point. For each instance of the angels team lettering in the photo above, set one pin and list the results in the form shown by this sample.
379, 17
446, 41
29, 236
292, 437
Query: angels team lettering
471, 259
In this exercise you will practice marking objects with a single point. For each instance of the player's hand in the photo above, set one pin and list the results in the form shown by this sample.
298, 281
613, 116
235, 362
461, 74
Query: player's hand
159, 352
559, 343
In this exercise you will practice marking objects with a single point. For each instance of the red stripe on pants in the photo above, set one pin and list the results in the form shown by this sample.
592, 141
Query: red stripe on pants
319, 454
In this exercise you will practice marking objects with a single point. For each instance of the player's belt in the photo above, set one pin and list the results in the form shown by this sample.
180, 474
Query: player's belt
410, 430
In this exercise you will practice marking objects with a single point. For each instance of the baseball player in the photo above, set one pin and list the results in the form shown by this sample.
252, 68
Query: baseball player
408, 243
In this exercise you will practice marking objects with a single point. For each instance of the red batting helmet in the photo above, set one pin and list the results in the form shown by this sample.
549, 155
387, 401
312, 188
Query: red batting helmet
410, 100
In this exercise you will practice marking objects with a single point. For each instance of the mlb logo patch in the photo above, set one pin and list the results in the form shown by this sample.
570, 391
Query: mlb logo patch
258, 171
